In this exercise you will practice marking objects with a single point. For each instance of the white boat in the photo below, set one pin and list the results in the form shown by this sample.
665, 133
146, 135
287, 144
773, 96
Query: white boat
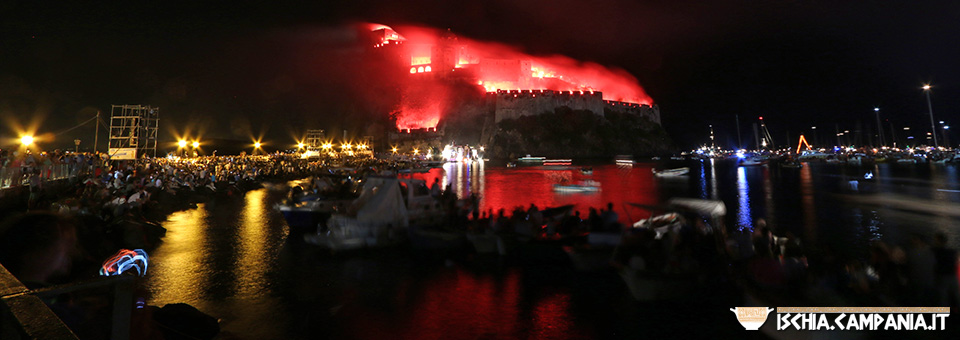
648, 282
907, 160
671, 172
752, 161
585, 186
380, 216
531, 160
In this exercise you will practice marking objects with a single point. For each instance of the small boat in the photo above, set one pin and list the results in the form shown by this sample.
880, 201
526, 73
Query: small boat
655, 158
671, 172
650, 280
511, 164
907, 161
752, 161
586, 171
380, 216
310, 213
531, 160
585, 186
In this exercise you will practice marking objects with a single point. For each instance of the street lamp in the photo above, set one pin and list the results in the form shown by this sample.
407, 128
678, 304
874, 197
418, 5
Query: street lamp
196, 144
76, 142
182, 143
879, 127
26, 140
933, 128
814, 128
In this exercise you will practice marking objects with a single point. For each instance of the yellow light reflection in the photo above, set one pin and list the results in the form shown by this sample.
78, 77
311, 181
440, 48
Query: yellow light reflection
252, 265
176, 265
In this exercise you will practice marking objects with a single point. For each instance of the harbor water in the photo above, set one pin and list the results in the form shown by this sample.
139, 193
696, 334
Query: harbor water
236, 259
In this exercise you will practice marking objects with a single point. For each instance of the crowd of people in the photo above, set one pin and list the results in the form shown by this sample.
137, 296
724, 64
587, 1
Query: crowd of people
71, 224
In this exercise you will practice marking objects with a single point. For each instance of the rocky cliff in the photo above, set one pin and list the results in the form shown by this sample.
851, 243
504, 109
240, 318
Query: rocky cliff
567, 133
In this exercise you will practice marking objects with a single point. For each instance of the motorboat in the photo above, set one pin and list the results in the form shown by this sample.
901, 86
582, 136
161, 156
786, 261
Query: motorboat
310, 213
531, 160
380, 216
586, 171
752, 161
671, 172
641, 256
585, 186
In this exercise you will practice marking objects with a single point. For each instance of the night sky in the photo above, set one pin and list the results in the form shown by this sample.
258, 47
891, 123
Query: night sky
230, 70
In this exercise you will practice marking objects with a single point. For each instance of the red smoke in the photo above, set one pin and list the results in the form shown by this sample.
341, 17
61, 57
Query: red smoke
435, 55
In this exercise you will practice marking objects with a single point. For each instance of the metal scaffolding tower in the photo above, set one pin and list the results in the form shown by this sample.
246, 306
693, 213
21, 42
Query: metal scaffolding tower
315, 138
133, 131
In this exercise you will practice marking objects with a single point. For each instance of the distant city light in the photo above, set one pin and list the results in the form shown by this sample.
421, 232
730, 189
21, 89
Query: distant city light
926, 87
196, 144
182, 143
256, 145
26, 140
300, 145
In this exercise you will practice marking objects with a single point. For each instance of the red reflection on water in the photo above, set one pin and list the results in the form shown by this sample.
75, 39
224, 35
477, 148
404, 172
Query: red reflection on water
460, 303
506, 188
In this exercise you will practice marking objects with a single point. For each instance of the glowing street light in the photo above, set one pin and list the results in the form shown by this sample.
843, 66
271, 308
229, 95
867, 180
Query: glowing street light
300, 145
182, 143
926, 89
196, 144
256, 145
394, 149
876, 110
26, 140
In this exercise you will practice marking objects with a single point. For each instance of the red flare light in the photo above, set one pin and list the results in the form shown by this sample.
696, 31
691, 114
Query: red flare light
444, 56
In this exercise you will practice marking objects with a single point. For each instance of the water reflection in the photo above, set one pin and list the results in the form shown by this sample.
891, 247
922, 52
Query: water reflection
231, 257
507, 188
744, 219
808, 206
251, 262
177, 267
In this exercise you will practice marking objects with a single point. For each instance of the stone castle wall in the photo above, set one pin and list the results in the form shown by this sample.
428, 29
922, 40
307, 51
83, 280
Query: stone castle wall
514, 104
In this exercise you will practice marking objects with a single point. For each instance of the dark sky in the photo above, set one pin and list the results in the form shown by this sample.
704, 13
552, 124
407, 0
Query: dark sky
232, 70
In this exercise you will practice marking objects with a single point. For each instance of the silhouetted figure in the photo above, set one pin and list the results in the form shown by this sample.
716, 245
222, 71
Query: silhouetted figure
946, 271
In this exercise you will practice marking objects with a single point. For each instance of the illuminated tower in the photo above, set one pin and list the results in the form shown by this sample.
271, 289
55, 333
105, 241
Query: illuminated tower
445, 54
